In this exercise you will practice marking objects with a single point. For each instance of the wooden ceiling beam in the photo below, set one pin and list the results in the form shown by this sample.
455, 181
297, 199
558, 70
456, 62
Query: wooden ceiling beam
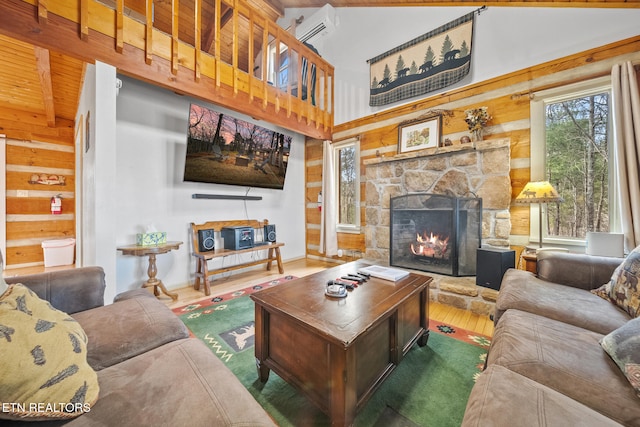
43, 64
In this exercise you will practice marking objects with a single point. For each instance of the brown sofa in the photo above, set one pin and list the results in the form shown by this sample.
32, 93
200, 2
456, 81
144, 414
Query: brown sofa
150, 372
545, 366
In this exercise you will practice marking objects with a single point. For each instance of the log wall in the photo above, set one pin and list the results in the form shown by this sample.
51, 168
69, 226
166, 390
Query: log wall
507, 98
36, 149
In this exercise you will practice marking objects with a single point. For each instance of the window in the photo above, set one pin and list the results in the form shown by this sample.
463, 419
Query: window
347, 167
570, 148
281, 75
286, 72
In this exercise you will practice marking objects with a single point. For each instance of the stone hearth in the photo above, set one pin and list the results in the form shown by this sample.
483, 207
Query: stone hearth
480, 170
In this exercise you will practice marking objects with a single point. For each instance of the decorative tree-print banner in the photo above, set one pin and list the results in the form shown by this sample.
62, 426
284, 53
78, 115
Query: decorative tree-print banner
429, 62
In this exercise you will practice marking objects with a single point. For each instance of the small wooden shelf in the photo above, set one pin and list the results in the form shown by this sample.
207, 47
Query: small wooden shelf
486, 145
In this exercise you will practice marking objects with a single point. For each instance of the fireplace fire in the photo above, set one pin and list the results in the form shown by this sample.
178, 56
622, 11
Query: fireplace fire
431, 246
436, 233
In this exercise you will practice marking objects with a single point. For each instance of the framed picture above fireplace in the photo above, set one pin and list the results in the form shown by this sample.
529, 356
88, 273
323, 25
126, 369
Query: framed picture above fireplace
419, 134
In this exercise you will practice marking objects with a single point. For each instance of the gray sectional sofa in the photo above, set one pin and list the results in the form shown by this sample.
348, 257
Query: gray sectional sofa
150, 372
546, 366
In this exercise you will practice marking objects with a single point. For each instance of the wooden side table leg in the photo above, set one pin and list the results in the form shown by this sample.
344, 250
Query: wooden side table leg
152, 271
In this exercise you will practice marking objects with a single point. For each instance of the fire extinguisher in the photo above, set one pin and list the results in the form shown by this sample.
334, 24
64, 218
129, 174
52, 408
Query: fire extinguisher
320, 201
56, 205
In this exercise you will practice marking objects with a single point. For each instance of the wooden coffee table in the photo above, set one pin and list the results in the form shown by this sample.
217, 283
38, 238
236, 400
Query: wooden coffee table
337, 351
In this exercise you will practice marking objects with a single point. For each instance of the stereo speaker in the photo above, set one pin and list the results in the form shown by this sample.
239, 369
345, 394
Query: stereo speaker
491, 265
206, 240
270, 233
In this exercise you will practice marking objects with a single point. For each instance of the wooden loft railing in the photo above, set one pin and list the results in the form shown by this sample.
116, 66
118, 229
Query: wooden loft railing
208, 49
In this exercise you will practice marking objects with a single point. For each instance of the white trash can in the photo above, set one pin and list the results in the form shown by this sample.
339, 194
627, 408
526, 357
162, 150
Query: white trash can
58, 252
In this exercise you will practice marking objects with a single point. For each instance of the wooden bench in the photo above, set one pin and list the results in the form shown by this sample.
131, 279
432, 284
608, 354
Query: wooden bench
202, 258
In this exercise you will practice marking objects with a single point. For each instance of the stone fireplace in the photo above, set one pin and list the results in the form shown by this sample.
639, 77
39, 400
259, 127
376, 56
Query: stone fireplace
468, 171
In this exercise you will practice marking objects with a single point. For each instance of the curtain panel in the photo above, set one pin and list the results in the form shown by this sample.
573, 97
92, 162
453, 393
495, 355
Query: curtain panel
329, 213
626, 137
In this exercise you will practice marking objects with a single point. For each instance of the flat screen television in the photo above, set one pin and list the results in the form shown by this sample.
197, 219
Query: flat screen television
222, 149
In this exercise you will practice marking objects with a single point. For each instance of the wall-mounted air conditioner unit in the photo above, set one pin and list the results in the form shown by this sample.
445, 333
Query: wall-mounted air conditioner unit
318, 25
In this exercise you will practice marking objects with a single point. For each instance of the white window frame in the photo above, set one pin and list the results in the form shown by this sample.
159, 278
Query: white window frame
274, 75
337, 146
538, 105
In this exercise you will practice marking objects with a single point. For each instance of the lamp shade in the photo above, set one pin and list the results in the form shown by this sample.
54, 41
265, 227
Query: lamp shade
538, 192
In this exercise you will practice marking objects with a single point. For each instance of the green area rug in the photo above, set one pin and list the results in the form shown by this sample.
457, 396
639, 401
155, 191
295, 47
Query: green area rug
429, 388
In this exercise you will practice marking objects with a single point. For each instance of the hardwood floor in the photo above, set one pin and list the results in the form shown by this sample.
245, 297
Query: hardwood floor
232, 281
303, 267
461, 318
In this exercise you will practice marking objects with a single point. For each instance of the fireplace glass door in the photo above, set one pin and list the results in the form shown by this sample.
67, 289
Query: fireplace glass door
436, 233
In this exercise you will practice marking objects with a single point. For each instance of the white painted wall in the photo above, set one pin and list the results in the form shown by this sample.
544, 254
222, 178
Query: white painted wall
95, 187
85, 179
506, 39
150, 142
103, 142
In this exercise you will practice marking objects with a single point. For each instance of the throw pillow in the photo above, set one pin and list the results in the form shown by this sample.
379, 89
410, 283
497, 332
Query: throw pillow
43, 360
623, 289
603, 291
623, 345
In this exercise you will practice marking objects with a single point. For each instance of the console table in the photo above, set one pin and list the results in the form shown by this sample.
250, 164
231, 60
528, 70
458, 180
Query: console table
151, 252
203, 272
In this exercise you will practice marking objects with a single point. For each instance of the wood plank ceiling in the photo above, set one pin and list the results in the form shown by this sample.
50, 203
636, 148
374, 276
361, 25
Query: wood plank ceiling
44, 84
47, 84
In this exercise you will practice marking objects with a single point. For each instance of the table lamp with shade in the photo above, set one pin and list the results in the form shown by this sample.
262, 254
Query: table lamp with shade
539, 192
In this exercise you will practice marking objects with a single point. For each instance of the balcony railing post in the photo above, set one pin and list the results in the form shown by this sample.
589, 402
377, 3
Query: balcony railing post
148, 43
119, 26
216, 40
197, 37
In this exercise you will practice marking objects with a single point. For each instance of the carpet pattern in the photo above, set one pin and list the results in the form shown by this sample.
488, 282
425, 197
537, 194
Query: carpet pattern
209, 301
429, 388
